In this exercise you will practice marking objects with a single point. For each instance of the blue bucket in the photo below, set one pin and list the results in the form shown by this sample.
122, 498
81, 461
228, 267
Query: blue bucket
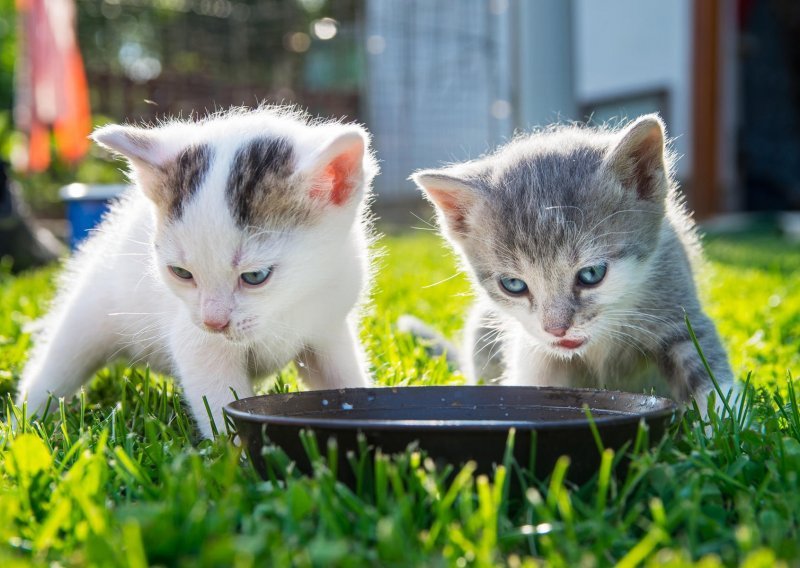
86, 205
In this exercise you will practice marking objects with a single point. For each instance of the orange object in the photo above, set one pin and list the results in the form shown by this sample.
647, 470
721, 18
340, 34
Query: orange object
51, 88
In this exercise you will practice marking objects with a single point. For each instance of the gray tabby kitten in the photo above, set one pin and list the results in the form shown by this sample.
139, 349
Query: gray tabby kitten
580, 247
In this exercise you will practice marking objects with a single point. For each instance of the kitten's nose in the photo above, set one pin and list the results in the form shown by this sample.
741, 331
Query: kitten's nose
216, 324
557, 331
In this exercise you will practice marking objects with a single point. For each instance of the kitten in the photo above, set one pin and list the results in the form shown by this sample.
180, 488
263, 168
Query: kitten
243, 246
581, 249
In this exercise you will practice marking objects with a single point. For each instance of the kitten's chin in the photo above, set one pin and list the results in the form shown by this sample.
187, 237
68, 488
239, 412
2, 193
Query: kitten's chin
239, 340
563, 354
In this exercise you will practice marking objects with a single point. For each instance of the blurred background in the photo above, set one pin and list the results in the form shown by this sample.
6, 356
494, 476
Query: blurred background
434, 80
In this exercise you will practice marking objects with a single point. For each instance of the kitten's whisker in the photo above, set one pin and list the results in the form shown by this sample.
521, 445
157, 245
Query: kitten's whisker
135, 313
634, 338
659, 320
139, 282
658, 340
579, 209
134, 335
625, 338
118, 236
455, 275
598, 237
486, 343
498, 246
607, 217
648, 309
140, 343
654, 321
147, 353
257, 234
669, 323
421, 220
496, 345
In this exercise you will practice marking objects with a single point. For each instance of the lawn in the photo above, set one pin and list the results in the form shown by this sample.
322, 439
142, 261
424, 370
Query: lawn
117, 478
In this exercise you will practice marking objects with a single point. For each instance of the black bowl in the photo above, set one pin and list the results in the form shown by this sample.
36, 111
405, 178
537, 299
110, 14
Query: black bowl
453, 424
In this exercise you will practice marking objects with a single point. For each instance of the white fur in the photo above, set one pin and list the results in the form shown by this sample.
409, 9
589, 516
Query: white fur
117, 297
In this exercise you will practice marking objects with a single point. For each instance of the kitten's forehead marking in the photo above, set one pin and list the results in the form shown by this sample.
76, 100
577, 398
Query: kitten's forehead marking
258, 180
184, 177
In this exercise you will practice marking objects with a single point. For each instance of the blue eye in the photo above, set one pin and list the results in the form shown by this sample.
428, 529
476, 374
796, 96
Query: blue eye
591, 275
513, 286
181, 273
257, 277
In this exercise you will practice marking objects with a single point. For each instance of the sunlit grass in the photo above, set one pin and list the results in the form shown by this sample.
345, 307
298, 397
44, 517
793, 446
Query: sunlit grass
753, 293
118, 478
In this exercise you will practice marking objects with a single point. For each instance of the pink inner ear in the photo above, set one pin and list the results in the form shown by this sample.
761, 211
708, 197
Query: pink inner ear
454, 205
336, 183
448, 203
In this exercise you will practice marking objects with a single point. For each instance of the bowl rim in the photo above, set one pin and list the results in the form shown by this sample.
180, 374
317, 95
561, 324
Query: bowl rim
666, 408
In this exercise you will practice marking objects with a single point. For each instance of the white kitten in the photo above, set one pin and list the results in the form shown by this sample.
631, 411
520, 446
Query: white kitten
244, 246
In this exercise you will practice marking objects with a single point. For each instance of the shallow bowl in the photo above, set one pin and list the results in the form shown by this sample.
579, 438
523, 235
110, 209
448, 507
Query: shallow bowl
453, 424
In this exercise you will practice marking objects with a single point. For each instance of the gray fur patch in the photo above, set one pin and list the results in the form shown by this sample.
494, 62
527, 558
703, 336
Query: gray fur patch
258, 184
184, 176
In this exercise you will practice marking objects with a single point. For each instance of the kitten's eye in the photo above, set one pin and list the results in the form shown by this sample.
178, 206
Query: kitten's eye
513, 286
257, 277
591, 275
181, 273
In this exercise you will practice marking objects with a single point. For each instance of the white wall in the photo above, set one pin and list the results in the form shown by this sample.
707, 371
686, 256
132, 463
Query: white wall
544, 57
623, 47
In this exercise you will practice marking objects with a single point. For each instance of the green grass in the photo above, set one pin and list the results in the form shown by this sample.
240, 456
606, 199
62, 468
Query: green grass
116, 477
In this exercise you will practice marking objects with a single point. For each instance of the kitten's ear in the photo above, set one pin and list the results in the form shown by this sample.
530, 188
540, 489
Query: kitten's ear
138, 145
452, 197
337, 169
146, 154
637, 160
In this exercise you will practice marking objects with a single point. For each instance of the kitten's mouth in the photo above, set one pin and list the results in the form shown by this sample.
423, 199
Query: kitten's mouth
569, 343
227, 334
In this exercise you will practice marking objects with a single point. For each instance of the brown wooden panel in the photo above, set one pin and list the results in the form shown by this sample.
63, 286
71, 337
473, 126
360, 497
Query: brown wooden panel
704, 194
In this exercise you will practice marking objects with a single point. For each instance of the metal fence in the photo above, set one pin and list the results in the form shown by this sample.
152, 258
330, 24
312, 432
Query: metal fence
438, 84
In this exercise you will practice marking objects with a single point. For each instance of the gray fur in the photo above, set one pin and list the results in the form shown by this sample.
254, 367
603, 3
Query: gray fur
437, 344
182, 177
259, 182
536, 209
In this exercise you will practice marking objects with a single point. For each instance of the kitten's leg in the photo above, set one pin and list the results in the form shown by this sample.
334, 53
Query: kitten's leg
483, 346
333, 361
684, 370
76, 343
210, 366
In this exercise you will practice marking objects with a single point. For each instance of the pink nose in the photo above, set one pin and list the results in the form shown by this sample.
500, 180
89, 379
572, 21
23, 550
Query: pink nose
557, 331
216, 324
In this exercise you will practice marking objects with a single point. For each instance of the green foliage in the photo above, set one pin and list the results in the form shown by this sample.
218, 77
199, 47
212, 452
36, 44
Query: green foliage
22, 299
116, 478
8, 53
752, 293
